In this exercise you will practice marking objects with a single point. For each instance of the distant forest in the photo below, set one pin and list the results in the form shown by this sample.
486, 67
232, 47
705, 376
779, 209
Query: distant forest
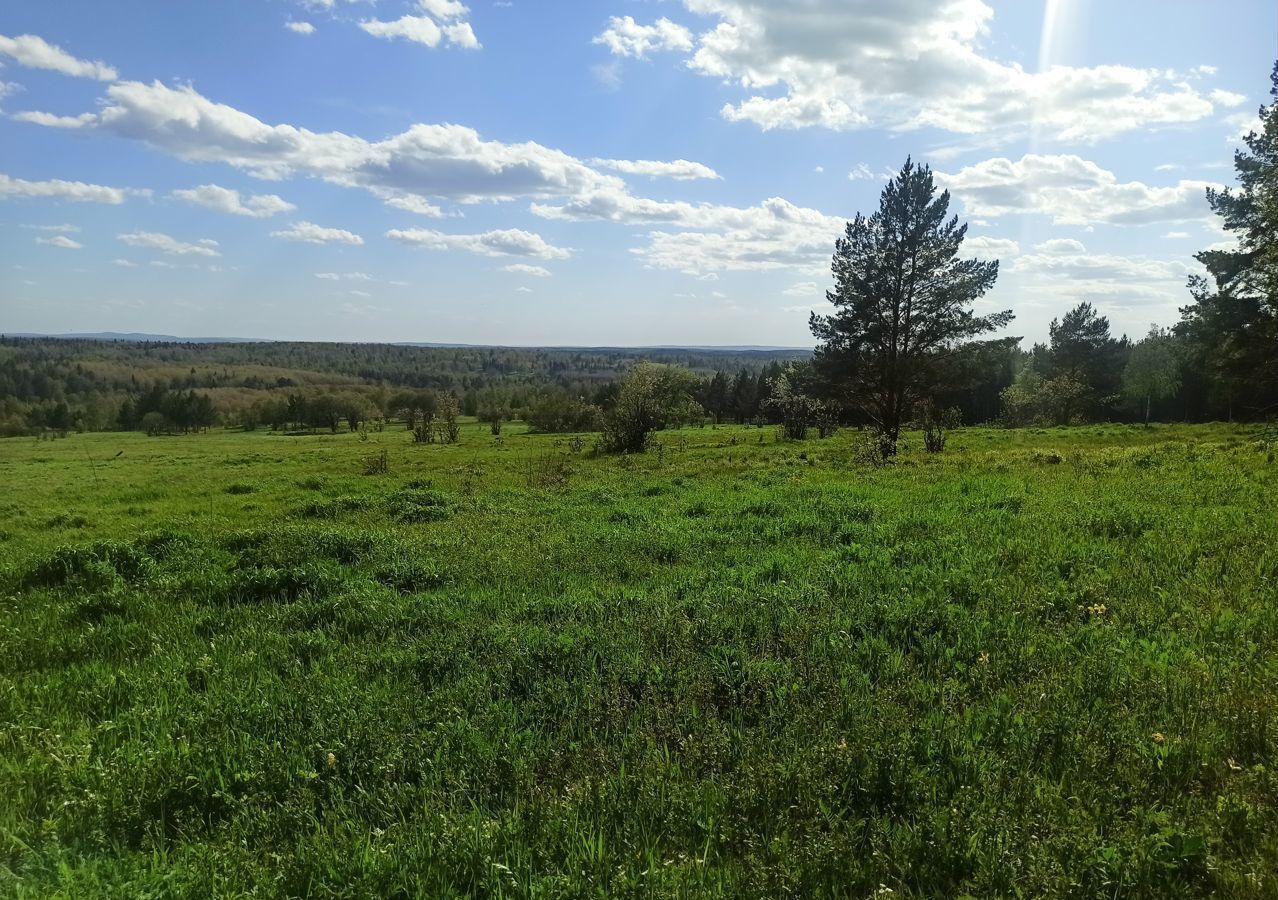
59, 385
52, 385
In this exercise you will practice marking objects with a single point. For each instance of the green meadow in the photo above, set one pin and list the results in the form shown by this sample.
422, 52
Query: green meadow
1042, 663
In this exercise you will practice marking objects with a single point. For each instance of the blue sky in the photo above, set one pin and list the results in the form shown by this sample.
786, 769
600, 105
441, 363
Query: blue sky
612, 172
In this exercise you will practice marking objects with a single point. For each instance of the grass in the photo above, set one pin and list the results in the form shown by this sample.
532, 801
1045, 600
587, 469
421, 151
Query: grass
1044, 663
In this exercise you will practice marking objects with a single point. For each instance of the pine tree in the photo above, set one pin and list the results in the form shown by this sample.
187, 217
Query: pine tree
902, 302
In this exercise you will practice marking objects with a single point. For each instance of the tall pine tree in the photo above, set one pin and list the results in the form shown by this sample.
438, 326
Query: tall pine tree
902, 302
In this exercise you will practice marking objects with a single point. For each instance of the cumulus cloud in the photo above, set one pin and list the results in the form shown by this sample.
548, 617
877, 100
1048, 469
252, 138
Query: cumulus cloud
1227, 99
506, 242
1134, 290
775, 234
258, 206
679, 169
124, 263
846, 64
1071, 191
151, 240
443, 21
310, 233
61, 241
300, 27
525, 269
989, 247
36, 53
1058, 246
76, 191
626, 37
426, 161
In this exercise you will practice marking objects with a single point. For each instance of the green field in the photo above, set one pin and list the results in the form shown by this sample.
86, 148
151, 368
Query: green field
1043, 663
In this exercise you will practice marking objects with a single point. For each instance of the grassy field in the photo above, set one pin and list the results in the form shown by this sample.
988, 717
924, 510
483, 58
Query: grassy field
1044, 663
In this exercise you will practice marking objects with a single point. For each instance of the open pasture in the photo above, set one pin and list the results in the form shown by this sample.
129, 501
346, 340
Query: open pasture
1043, 663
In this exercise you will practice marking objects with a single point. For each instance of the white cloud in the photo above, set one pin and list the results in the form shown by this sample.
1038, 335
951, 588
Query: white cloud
861, 173
626, 37
775, 234
225, 200
525, 269
426, 161
1081, 272
804, 289
910, 64
1059, 246
1072, 191
76, 191
310, 233
443, 21
59, 229
300, 27
1227, 99
989, 247
61, 241
37, 53
9, 88
49, 120
419, 29
344, 276
523, 289
679, 169
444, 10
1176, 235
507, 242
416, 205
124, 263
150, 240
1242, 124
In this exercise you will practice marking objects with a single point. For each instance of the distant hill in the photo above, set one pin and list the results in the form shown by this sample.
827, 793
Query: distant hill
138, 337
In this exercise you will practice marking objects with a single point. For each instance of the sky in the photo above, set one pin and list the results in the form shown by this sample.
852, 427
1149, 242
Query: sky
601, 172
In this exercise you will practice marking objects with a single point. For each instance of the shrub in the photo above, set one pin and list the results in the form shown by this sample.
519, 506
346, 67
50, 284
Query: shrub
651, 397
937, 424
378, 464
412, 505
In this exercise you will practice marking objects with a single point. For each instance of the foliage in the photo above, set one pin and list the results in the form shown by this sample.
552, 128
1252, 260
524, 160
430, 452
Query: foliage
1153, 369
902, 301
651, 398
1231, 327
797, 409
937, 425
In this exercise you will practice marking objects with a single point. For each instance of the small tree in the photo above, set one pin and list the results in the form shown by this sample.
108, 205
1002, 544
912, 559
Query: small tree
447, 428
1153, 371
937, 425
902, 301
797, 410
493, 413
652, 397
